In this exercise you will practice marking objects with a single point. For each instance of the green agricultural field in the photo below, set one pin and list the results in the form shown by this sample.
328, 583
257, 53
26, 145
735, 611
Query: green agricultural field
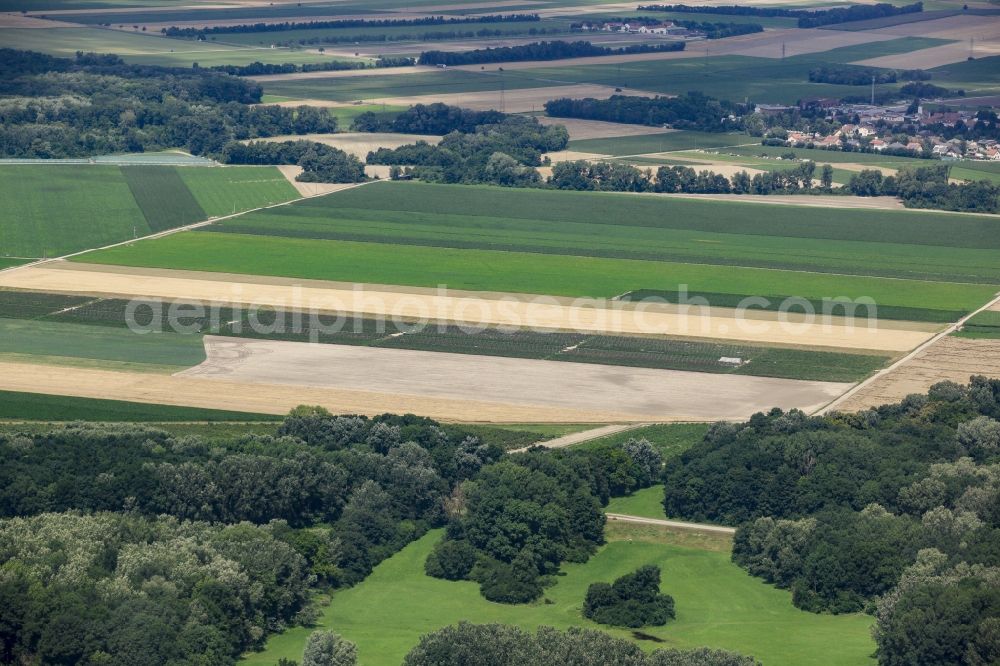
936, 246
519, 272
51, 210
718, 605
16, 406
6, 262
659, 143
164, 199
223, 191
350, 89
727, 77
97, 346
647, 503
55, 209
977, 77
831, 157
985, 325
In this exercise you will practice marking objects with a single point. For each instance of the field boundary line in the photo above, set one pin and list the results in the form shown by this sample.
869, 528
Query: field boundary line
168, 232
677, 524
951, 328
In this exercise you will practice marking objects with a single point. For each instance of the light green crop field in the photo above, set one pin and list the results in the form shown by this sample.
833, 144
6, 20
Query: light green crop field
718, 605
647, 503
984, 326
519, 272
51, 209
223, 191
980, 76
886, 243
94, 345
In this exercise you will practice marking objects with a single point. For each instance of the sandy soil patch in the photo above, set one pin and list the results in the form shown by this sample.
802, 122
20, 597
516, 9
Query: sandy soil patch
952, 358
639, 392
360, 143
508, 310
598, 129
290, 171
573, 155
512, 101
272, 398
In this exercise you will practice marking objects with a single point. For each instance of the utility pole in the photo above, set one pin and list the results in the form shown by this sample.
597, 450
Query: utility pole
782, 50
972, 47
873, 90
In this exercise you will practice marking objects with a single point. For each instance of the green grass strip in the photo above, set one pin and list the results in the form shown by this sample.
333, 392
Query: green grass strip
15, 405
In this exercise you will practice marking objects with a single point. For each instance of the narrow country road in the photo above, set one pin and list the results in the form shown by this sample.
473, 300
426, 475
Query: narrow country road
678, 524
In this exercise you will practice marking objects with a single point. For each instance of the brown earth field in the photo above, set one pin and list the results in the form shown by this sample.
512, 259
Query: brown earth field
475, 308
950, 358
640, 393
598, 129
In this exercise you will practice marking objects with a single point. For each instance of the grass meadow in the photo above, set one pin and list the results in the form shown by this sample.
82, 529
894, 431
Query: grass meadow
670, 439
657, 143
718, 605
647, 503
223, 191
983, 326
98, 346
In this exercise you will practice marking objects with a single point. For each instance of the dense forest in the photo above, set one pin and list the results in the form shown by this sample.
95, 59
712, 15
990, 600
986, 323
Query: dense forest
894, 510
435, 119
524, 516
554, 50
808, 18
320, 163
692, 111
260, 68
178, 550
720, 30
96, 104
928, 187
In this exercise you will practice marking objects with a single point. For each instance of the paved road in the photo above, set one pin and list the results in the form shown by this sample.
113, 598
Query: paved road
677, 524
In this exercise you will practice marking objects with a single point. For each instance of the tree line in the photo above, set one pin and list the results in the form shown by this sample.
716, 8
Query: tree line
426, 36
242, 28
856, 75
807, 18
928, 187
617, 177
692, 110
893, 509
96, 104
721, 30
260, 68
553, 50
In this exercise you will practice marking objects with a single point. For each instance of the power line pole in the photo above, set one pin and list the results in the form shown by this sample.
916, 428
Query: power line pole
873, 90
782, 50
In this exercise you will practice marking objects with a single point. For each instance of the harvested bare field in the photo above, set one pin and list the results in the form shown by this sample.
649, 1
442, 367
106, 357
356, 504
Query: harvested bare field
598, 129
815, 201
936, 56
950, 358
512, 101
470, 308
271, 398
359, 144
640, 393
11, 20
